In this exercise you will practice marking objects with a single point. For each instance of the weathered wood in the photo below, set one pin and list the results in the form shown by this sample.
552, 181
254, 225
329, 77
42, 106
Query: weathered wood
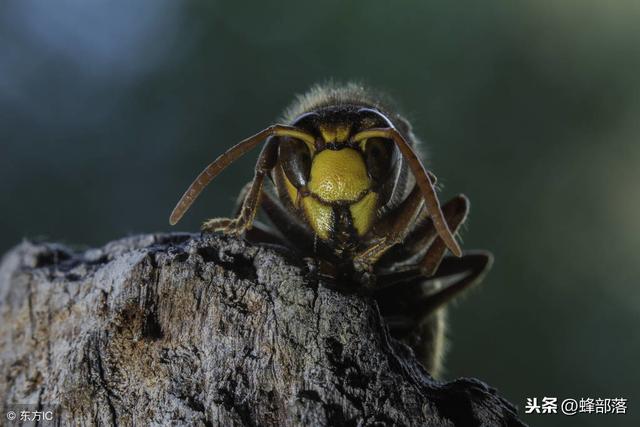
206, 330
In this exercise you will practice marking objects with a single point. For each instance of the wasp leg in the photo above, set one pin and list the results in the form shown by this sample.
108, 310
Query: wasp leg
390, 230
242, 195
424, 235
244, 220
415, 308
286, 230
453, 276
259, 232
262, 233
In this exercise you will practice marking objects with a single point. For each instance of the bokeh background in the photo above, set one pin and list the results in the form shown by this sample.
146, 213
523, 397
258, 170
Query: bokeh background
531, 108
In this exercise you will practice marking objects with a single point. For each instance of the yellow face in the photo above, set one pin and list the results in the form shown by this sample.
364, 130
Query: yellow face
338, 179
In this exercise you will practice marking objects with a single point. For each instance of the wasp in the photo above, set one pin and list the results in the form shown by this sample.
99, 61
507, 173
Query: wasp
349, 190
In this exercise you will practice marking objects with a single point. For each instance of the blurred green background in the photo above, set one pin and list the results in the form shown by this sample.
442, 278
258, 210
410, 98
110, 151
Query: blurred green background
531, 108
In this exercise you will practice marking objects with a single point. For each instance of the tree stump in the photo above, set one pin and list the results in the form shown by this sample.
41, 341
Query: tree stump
209, 330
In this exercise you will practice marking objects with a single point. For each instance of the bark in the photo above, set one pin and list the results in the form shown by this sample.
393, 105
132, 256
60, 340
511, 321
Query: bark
208, 330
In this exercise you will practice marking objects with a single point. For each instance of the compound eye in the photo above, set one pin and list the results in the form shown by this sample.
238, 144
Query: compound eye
295, 158
378, 155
